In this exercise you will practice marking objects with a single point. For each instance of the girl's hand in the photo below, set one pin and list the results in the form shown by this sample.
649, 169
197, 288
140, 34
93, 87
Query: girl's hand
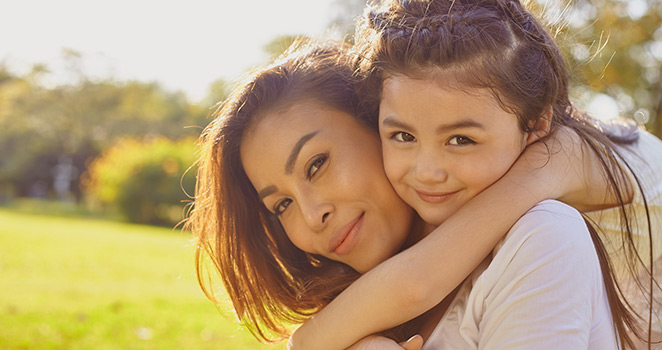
375, 342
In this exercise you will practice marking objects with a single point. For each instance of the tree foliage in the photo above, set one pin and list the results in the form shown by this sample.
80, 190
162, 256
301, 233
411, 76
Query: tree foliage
615, 47
143, 178
50, 134
42, 129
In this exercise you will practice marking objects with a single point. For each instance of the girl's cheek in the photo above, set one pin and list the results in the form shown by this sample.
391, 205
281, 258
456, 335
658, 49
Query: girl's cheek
394, 167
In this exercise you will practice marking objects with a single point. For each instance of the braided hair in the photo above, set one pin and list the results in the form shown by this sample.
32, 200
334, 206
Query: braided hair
500, 46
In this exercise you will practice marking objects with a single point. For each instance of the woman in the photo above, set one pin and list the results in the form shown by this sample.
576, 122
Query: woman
270, 280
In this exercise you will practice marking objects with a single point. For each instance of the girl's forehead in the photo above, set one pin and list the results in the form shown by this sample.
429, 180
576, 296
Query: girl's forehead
444, 78
445, 82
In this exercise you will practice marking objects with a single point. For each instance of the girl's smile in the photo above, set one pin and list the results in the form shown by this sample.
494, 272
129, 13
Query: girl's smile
435, 197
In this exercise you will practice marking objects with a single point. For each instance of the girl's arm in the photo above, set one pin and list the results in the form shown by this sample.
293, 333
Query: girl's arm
415, 280
376, 342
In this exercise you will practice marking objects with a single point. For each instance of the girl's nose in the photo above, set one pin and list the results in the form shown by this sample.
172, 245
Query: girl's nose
430, 168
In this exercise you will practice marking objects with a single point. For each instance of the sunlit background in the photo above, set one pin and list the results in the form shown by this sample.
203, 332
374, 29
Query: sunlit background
100, 105
185, 45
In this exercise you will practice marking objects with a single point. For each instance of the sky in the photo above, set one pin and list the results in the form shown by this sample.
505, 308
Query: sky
184, 45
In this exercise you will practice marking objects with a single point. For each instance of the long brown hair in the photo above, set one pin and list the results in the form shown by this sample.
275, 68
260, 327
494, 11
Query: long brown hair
271, 283
498, 45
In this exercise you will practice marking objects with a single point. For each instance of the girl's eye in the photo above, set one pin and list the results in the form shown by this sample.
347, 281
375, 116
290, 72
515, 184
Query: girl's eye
402, 136
282, 206
460, 140
315, 166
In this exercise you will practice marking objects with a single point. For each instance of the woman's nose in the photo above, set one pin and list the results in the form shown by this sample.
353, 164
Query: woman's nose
316, 212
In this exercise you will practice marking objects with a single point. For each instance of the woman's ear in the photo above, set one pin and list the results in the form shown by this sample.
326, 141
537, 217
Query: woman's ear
540, 127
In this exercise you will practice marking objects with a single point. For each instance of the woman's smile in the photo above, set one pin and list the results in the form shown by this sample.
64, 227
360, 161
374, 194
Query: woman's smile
345, 238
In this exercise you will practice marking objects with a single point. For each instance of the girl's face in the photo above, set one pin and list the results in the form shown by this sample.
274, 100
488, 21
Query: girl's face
321, 172
443, 147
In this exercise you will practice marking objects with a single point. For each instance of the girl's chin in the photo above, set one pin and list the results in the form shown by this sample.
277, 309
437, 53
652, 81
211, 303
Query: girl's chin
432, 219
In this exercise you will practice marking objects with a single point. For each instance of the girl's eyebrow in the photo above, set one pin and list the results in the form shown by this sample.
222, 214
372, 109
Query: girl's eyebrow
443, 128
460, 124
394, 122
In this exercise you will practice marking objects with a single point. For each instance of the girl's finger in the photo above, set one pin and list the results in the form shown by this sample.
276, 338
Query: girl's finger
414, 343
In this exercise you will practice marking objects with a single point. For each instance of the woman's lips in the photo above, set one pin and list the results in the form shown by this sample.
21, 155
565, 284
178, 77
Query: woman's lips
435, 197
346, 237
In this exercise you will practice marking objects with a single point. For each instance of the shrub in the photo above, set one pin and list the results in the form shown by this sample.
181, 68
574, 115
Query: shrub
143, 179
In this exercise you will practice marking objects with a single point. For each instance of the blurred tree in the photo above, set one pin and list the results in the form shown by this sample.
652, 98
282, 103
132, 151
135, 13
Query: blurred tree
615, 48
48, 135
143, 178
12, 92
217, 92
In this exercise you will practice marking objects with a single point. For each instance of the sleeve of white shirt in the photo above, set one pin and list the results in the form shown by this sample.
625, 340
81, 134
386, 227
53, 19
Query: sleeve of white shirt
544, 288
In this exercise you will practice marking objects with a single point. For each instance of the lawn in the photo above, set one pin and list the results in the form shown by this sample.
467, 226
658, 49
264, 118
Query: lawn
76, 283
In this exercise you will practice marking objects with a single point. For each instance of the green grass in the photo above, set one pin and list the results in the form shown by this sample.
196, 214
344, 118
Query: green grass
76, 283
58, 208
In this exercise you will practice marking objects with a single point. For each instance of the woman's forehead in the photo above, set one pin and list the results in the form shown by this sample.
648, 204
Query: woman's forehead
304, 112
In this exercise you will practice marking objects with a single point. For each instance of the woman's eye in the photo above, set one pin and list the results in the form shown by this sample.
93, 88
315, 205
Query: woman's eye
460, 140
282, 206
402, 136
315, 166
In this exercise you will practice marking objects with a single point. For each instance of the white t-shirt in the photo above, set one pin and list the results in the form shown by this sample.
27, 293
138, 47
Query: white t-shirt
543, 289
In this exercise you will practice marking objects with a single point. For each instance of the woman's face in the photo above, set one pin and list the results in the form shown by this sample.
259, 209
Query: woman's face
321, 172
443, 147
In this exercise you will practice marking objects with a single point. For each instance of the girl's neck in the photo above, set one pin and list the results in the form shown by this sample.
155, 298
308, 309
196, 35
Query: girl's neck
419, 229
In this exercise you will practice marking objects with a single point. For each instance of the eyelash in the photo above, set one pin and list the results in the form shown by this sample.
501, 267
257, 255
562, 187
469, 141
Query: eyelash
314, 167
398, 136
467, 140
317, 162
277, 208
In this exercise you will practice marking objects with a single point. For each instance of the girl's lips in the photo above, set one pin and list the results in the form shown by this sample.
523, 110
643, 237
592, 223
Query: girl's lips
346, 237
435, 197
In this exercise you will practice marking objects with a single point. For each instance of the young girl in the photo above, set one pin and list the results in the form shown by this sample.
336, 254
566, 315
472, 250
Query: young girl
437, 68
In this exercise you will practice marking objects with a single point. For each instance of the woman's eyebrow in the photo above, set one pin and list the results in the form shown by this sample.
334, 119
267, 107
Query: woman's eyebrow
267, 191
289, 165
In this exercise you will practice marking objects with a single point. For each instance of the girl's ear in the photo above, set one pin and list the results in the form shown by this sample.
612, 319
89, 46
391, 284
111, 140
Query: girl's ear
540, 127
